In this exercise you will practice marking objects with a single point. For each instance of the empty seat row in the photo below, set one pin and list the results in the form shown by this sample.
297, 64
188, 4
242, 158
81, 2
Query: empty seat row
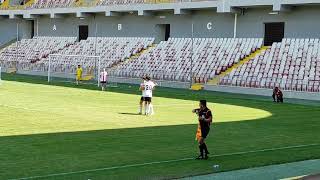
52, 3
292, 64
91, 53
70, 3
32, 50
179, 59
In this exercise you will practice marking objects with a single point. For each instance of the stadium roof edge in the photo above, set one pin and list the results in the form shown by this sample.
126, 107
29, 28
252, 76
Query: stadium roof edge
219, 6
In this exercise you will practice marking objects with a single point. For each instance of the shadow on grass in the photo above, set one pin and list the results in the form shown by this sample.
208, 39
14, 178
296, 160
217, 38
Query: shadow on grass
133, 114
42, 154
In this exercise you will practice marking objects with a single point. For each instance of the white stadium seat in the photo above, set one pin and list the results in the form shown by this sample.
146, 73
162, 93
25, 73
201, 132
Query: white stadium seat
33, 53
29, 51
172, 59
292, 64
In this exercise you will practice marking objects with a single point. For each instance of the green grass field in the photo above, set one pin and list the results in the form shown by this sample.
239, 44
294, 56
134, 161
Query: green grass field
67, 132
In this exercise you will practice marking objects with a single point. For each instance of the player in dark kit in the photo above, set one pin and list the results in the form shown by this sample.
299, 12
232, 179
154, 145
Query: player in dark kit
205, 120
277, 95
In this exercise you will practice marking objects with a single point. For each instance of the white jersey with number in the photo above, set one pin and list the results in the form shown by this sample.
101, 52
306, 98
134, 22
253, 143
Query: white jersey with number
148, 87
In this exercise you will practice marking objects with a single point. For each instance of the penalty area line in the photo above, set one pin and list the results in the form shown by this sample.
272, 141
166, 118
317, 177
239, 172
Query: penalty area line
162, 162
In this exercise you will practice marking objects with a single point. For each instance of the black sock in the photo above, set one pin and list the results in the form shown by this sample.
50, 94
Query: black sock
205, 148
201, 149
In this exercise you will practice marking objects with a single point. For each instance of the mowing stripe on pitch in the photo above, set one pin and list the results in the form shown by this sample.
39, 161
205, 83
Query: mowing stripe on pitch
161, 162
88, 107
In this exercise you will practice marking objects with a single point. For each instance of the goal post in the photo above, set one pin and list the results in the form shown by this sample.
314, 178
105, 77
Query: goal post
63, 67
0, 75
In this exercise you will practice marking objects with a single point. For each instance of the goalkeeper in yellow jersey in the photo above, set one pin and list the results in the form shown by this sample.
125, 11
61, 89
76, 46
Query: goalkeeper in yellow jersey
79, 74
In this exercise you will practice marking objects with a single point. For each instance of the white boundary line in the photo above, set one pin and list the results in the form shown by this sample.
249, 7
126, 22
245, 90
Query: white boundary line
162, 162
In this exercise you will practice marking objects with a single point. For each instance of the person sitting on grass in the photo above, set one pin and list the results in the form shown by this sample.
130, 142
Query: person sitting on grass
78, 74
277, 95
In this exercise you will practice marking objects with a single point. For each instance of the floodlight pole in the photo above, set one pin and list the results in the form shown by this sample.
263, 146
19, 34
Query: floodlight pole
95, 49
37, 27
99, 66
95, 36
191, 59
235, 25
17, 44
49, 68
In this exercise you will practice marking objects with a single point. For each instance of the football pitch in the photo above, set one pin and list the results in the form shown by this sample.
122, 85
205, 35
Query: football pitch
68, 132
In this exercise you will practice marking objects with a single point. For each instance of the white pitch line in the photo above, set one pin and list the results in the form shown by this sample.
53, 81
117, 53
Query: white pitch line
266, 150
17, 107
161, 162
103, 169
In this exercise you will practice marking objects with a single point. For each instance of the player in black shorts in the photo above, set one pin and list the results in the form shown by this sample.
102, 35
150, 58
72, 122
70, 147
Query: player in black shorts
147, 99
142, 99
147, 87
205, 120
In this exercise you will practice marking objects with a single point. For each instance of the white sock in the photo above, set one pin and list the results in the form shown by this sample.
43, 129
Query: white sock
140, 109
151, 109
146, 109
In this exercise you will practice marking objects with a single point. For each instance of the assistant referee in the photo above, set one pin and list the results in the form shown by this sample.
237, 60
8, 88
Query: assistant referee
205, 120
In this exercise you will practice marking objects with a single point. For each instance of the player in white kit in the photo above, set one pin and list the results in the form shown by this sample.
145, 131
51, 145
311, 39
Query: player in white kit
142, 97
147, 87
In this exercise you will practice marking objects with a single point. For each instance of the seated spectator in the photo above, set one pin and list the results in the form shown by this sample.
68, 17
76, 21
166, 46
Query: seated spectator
277, 95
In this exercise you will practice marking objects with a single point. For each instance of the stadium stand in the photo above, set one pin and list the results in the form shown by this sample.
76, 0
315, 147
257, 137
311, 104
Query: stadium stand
126, 2
118, 2
112, 50
53, 3
28, 51
71, 3
293, 64
171, 60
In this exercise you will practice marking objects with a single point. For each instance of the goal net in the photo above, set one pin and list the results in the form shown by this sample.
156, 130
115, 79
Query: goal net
63, 68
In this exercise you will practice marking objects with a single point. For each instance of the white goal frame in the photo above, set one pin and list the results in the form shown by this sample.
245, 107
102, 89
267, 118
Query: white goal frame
0, 75
80, 56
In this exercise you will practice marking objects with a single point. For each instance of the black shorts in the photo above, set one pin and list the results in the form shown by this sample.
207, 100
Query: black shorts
147, 99
204, 133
